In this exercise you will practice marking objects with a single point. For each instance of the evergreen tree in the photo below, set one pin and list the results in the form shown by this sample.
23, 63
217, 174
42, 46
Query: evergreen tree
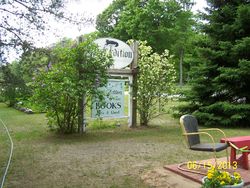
12, 84
220, 93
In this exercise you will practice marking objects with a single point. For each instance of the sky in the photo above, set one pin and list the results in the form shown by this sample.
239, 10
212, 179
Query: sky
90, 8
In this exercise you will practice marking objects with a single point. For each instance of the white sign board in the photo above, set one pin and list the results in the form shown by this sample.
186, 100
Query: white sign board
113, 104
120, 51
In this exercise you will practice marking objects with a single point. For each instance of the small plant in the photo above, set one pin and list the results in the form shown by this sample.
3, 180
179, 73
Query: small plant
216, 178
100, 124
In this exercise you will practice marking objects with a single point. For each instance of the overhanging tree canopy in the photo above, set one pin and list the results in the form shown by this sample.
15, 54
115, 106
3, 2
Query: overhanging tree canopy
151, 20
164, 24
23, 22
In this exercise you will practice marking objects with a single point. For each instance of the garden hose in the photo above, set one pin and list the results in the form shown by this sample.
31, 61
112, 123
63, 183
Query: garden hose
10, 156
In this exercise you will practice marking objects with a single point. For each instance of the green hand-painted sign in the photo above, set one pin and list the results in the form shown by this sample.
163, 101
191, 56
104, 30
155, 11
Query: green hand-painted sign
113, 104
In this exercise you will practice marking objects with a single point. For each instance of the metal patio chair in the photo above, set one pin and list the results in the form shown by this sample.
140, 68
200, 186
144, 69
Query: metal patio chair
192, 133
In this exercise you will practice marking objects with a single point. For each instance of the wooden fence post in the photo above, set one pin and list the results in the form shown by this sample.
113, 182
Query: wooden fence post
134, 69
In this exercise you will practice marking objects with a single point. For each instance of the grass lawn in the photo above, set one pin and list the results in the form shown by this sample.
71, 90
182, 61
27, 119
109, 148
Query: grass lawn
110, 158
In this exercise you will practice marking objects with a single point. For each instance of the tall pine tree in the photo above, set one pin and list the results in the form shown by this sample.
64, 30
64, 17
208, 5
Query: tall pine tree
220, 92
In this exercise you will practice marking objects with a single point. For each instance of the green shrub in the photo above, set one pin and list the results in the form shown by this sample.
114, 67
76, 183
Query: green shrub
100, 124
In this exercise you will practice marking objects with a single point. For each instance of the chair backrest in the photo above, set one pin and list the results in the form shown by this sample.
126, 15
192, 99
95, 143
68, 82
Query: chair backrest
189, 124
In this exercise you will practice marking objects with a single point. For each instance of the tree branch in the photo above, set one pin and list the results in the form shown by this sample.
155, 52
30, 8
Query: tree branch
14, 13
11, 31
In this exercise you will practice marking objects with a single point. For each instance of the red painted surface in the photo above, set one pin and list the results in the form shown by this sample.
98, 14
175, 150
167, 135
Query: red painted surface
240, 141
197, 177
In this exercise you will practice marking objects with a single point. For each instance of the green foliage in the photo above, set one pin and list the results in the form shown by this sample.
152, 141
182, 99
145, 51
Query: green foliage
217, 178
12, 84
163, 24
220, 87
73, 74
100, 124
224, 113
150, 20
33, 61
16, 78
156, 77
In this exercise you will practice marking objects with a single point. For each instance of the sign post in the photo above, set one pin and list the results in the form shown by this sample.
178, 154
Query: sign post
134, 69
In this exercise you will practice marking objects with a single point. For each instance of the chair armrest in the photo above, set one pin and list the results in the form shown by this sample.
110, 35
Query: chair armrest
243, 149
215, 129
209, 135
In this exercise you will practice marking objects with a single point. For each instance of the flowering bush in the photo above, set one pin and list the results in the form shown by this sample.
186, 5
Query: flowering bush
156, 77
216, 178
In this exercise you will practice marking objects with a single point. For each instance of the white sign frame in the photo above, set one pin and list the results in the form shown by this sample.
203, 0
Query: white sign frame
121, 52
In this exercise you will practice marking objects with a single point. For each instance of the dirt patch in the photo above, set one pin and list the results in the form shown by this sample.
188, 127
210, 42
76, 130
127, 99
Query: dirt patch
162, 178
98, 164
121, 163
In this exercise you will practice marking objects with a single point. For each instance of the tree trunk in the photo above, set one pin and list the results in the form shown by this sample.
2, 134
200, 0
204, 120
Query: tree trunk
143, 119
181, 66
80, 115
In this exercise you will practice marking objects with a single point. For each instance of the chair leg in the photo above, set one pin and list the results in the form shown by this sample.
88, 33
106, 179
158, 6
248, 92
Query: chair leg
227, 155
215, 158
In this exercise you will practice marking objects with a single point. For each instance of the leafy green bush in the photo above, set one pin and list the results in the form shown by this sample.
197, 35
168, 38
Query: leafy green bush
73, 74
156, 78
